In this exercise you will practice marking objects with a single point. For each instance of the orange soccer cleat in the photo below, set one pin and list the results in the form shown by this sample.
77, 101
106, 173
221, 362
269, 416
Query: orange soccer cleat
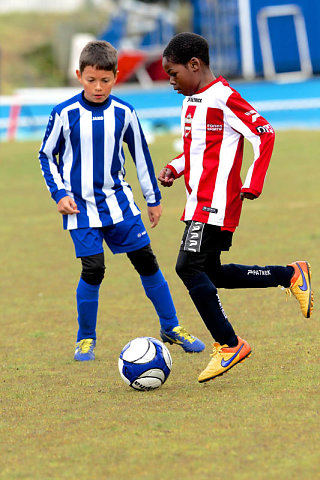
224, 358
300, 286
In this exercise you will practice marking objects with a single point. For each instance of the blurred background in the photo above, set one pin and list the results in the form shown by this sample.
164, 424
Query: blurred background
267, 49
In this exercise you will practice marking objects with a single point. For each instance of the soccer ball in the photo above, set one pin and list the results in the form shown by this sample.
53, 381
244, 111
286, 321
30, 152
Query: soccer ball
145, 363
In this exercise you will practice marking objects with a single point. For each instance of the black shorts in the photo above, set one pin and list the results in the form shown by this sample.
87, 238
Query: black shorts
205, 238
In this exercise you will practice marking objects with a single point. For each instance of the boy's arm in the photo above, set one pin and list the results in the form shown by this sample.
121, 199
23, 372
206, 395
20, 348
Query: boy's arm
166, 177
173, 170
243, 118
47, 156
139, 151
67, 206
154, 214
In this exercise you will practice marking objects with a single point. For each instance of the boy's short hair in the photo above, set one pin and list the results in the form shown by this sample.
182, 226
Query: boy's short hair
183, 46
99, 54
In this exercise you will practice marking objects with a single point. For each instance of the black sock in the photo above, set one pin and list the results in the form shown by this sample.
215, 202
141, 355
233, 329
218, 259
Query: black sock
206, 299
233, 275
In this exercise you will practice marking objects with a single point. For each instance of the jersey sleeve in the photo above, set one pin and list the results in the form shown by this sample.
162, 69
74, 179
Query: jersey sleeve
139, 151
177, 165
243, 118
48, 157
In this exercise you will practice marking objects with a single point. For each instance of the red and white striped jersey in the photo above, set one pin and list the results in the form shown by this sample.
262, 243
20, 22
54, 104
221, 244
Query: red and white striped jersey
215, 121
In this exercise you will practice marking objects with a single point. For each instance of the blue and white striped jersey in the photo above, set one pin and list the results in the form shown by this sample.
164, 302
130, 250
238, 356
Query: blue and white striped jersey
82, 156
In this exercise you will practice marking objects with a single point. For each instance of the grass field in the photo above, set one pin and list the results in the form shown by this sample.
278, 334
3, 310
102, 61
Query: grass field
61, 420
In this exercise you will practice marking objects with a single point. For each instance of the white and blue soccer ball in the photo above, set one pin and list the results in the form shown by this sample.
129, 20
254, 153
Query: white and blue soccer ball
145, 363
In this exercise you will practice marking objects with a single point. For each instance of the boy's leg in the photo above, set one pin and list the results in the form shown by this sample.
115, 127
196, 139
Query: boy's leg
198, 244
87, 242
131, 237
191, 269
248, 276
229, 349
88, 295
155, 285
296, 278
157, 290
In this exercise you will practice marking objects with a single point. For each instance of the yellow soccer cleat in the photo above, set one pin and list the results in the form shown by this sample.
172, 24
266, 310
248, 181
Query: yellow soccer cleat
85, 350
300, 286
180, 336
224, 358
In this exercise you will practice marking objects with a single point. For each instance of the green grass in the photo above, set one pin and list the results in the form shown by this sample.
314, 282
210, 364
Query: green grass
62, 420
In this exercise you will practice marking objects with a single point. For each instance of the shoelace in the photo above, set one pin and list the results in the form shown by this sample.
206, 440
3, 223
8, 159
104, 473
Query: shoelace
288, 292
85, 345
183, 333
216, 349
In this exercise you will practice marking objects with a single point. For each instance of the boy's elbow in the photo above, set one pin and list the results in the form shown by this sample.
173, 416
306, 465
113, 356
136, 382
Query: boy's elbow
272, 134
269, 138
273, 138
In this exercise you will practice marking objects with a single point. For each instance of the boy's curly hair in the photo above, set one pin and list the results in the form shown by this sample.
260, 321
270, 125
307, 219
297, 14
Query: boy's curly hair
183, 46
99, 54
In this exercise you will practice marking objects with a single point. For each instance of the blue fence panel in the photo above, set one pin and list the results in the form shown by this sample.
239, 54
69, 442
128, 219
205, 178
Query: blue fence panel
283, 35
293, 105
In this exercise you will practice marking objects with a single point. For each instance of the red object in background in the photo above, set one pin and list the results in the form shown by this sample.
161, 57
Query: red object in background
128, 64
13, 121
156, 71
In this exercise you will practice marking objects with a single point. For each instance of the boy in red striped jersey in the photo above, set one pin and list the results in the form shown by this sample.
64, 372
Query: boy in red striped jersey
215, 119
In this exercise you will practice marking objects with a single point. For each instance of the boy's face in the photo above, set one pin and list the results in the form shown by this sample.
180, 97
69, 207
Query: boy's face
184, 78
97, 84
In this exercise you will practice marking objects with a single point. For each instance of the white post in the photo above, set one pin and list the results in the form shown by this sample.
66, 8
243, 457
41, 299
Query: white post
78, 41
246, 44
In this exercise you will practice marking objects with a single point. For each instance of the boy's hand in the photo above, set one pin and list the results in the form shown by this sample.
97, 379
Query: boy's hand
166, 177
248, 195
67, 206
154, 214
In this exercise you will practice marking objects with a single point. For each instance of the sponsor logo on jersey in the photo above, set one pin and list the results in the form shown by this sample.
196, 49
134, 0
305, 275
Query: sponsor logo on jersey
214, 127
97, 118
192, 99
187, 125
265, 128
210, 209
141, 234
254, 115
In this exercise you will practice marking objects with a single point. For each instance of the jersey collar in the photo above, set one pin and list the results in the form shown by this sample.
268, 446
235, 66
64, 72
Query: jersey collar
92, 105
219, 79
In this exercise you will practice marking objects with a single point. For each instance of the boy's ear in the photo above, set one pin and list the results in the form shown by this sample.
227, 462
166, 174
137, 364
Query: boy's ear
194, 63
78, 73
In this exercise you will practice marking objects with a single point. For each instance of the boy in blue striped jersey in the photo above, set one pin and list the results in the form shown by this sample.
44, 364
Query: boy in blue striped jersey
87, 182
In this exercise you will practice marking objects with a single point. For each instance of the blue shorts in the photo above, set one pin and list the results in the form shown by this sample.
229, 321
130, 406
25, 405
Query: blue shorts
122, 237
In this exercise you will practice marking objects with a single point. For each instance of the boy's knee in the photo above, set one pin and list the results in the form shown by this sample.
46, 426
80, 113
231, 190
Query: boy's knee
93, 269
180, 269
144, 261
186, 269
